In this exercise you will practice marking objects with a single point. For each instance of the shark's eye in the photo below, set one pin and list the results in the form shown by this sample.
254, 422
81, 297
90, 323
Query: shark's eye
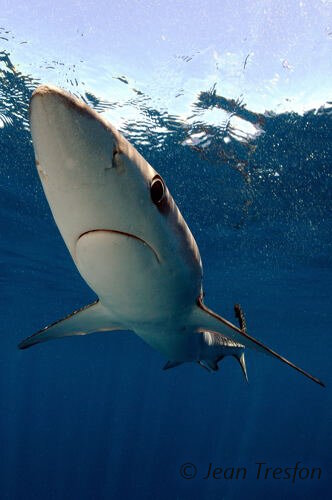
157, 190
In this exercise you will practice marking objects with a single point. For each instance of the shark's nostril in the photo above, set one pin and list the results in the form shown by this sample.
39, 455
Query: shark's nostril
115, 157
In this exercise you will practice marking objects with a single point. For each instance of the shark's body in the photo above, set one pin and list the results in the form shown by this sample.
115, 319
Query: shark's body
127, 238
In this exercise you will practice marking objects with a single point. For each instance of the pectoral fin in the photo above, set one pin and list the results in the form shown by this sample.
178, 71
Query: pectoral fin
88, 319
207, 319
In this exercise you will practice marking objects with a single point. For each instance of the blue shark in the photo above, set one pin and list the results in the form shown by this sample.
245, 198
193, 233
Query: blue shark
127, 239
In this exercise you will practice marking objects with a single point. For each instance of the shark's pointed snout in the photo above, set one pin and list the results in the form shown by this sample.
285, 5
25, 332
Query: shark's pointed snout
74, 151
65, 130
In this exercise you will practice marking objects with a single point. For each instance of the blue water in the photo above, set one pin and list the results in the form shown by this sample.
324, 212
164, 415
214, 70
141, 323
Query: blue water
96, 417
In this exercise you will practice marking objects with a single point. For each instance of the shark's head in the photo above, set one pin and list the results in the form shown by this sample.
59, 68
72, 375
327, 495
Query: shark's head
114, 211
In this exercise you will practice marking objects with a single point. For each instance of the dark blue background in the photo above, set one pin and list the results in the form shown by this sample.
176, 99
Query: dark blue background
96, 417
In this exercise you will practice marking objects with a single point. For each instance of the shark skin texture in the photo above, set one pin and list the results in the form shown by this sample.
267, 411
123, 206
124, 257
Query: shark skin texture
127, 239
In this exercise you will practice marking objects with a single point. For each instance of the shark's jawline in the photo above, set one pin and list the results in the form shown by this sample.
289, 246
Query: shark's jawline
122, 233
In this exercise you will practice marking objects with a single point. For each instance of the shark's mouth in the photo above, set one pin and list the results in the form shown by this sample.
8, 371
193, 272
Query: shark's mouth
122, 233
